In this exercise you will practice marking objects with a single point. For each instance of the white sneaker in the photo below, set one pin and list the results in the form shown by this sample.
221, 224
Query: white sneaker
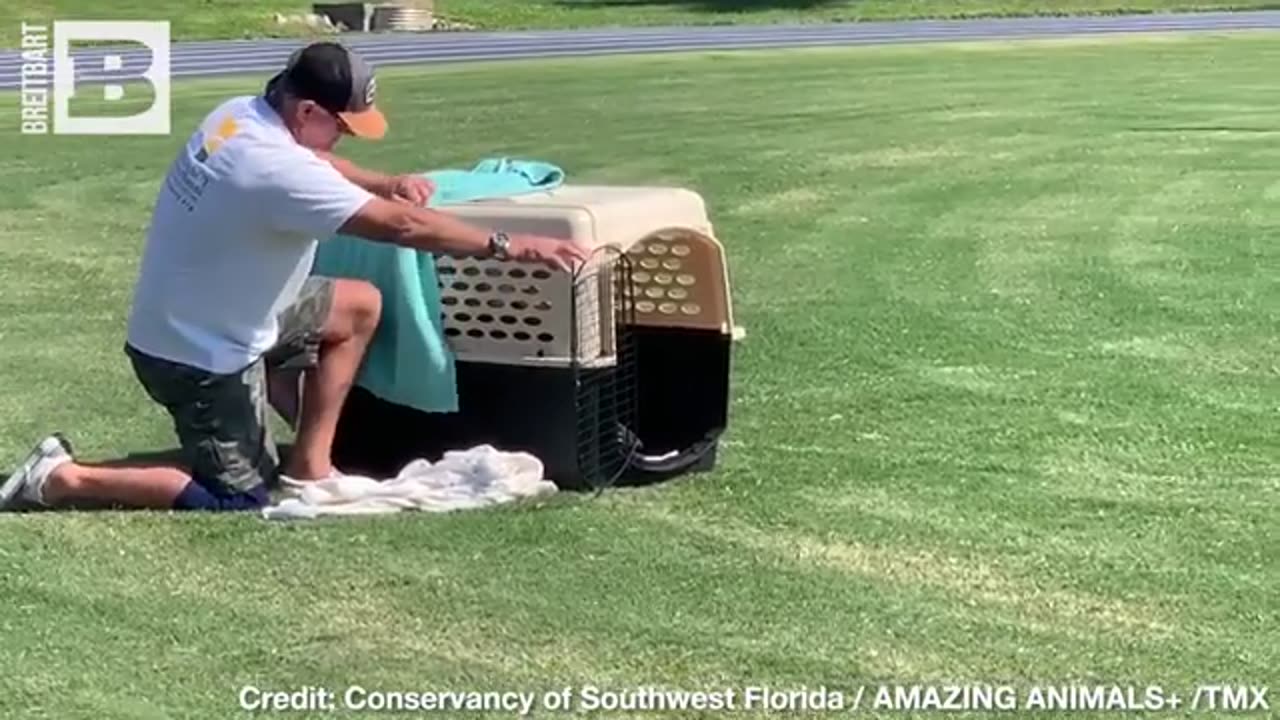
26, 484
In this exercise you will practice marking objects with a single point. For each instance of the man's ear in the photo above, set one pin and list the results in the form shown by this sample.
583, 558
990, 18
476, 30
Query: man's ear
289, 111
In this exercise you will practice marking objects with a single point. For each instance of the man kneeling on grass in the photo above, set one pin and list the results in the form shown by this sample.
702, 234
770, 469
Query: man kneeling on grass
224, 309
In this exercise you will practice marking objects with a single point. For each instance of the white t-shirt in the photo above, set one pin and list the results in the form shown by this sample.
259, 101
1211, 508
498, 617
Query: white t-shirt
233, 237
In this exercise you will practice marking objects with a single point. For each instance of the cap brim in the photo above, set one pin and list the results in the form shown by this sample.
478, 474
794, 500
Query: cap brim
369, 123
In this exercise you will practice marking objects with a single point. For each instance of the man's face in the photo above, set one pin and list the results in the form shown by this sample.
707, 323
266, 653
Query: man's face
317, 128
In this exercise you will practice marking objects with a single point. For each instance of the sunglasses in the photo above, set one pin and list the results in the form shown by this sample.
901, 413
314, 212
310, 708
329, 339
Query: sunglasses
342, 124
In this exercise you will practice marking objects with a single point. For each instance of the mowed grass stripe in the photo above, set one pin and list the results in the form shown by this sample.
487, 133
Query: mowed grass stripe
239, 19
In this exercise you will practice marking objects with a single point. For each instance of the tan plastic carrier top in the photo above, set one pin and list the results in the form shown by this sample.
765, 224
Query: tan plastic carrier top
519, 313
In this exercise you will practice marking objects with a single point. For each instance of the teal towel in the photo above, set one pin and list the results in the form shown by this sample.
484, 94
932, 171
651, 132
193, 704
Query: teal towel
493, 178
409, 361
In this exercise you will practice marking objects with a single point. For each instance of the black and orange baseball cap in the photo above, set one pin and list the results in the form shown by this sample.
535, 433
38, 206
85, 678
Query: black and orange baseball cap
338, 80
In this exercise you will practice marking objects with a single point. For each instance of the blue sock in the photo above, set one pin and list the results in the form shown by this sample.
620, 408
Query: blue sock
197, 497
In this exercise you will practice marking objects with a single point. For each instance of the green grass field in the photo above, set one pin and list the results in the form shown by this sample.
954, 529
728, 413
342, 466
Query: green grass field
256, 18
1006, 410
578, 13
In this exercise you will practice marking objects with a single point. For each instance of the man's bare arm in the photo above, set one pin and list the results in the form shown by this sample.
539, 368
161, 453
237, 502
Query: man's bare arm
417, 228
433, 231
371, 180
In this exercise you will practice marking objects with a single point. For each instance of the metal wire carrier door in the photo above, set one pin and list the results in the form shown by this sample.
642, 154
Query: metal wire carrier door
604, 366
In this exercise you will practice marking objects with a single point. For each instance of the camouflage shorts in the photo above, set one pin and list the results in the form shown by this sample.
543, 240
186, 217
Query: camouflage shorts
221, 420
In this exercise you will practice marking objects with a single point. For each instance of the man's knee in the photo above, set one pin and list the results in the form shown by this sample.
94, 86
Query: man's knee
357, 307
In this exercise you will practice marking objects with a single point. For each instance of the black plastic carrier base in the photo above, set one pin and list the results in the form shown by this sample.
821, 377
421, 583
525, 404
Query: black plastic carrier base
657, 414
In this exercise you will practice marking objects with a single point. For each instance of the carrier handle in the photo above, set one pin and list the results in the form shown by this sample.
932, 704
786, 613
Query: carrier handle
673, 462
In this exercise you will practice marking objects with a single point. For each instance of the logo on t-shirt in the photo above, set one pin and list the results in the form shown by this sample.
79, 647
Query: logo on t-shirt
191, 174
213, 142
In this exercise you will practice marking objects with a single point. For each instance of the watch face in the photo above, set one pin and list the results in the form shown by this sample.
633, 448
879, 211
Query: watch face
500, 244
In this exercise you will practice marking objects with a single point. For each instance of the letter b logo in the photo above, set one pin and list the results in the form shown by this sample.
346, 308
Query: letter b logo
154, 35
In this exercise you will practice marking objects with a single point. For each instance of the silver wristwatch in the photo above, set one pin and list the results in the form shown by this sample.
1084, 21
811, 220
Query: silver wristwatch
500, 245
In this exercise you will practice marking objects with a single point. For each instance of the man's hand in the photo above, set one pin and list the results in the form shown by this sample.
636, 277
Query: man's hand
553, 252
413, 189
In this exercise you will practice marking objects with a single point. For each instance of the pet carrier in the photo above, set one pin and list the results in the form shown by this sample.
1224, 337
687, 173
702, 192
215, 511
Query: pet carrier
617, 374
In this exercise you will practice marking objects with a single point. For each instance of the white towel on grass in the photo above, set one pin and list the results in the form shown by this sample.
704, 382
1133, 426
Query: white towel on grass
462, 480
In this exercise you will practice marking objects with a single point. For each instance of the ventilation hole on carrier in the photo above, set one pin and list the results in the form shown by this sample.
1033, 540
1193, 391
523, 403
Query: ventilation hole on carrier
495, 303
460, 286
637, 249
657, 249
649, 263
498, 334
519, 304
475, 333
645, 306
654, 292
518, 273
493, 272
471, 271
471, 302
546, 337
677, 293
446, 270
508, 289
449, 300
680, 250
667, 308
452, 332
484, 318
509, 319
530, 290
685, 279
542, 274
483, 287
462, 317
534, 321
641, 277
521, 335
543, 305
662, 278
671, 264
690, 308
